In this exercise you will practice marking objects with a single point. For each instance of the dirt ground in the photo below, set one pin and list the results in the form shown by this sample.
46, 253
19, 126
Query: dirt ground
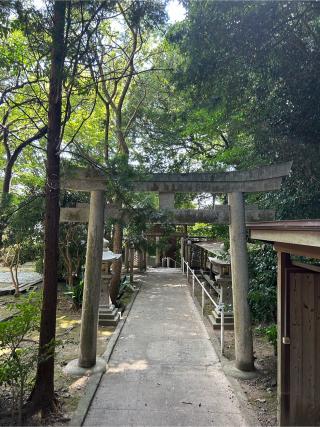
261, 391
69, 390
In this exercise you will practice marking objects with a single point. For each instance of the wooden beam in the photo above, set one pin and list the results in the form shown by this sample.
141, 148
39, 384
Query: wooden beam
288, 225
301, 237
306, 266
300, 250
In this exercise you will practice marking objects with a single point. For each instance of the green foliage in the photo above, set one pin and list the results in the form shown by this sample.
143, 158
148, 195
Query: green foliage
200, 229
76, 294
252, 66
17, 356
271, 333
217, 232
263, 283
72, 248
22, 220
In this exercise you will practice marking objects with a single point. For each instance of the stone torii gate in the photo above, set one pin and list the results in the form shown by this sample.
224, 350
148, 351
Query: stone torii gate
235, 183
218, 215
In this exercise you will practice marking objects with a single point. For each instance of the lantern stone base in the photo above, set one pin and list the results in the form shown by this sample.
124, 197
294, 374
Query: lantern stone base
215, 320
73, 369
108, 315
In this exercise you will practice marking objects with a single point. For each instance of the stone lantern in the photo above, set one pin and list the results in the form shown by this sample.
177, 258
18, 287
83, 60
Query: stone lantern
108, 313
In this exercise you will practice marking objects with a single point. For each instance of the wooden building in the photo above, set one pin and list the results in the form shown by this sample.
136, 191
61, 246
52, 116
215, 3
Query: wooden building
298, 317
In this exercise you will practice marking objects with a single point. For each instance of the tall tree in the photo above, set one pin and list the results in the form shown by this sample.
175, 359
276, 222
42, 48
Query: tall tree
43, 393
119, 59
253, 66
23, 97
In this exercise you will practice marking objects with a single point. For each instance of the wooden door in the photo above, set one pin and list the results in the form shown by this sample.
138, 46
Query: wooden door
303, 381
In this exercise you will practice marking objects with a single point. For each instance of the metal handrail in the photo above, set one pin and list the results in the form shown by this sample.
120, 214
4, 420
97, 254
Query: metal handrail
186, 269
169, 258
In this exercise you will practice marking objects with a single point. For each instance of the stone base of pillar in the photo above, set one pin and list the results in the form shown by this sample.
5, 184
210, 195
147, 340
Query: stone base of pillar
231, 370
108, 315
73, 368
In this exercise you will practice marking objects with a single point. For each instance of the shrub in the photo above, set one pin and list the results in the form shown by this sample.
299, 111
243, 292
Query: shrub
72, 247
17, 357
263, 283
76, 294
271, 333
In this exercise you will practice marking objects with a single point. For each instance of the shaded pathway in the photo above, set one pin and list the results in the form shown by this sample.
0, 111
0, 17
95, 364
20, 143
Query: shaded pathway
164, 370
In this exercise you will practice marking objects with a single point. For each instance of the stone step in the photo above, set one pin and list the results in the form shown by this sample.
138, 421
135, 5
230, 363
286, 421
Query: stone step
109, 321
215, 325
228, 318
107, 314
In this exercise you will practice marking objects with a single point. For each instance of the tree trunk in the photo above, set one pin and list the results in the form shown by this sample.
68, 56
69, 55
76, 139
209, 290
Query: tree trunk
117, 265
15, 284
70, 276
122, 145
5, 195
118, 228
69, 267
16, 277
11, 160
6, 183
106, 134
42, 397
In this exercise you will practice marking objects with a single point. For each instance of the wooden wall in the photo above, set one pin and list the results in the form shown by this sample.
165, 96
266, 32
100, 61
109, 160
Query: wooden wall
300, 358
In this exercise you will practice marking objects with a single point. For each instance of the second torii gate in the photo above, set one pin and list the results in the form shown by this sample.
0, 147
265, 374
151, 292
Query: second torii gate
218, 215
268, 178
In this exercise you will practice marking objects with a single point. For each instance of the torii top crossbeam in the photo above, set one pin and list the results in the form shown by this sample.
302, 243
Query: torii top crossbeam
266, 178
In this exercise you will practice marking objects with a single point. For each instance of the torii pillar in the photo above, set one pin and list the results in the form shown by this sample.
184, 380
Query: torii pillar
88, 363
158, 254
240, 283
92, 281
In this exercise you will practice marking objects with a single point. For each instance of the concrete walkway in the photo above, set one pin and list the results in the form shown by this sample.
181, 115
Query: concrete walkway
164, 370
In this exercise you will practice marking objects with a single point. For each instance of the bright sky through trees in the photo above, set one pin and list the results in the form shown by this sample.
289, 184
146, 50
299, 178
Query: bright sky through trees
176, 11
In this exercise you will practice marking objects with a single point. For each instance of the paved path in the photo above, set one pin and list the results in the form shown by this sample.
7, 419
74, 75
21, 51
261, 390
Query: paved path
164, 370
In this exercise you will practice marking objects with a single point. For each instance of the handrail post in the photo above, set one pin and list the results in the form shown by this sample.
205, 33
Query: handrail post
187, 272
182, 265
193, 284
222, 329
202, 300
